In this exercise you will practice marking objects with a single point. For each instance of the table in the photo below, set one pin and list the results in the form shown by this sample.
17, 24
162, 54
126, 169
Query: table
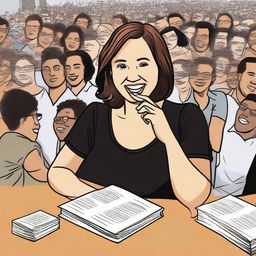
175, 234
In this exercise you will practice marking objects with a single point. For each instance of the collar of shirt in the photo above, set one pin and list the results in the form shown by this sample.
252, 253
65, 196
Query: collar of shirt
232, 129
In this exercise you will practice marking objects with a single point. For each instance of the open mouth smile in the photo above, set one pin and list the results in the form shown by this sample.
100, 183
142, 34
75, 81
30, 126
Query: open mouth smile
136, 88
243, 120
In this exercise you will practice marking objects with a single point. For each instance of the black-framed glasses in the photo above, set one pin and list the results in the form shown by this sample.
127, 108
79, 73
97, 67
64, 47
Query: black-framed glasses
244, 108
62, 119
36, 116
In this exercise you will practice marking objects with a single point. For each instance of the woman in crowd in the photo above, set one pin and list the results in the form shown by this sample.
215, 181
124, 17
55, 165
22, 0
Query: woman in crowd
137, 140
176, 42
72, 39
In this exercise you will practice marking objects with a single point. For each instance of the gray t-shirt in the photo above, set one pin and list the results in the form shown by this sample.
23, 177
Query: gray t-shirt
14, 148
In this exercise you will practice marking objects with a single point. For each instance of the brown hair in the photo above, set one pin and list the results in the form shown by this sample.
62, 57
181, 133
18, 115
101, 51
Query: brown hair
134, 30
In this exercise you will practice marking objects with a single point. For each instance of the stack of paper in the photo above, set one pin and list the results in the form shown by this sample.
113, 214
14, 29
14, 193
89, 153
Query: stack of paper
111, 212
35, 226
232, 218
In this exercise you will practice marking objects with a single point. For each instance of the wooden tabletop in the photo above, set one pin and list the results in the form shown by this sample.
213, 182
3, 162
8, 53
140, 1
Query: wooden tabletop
175, 234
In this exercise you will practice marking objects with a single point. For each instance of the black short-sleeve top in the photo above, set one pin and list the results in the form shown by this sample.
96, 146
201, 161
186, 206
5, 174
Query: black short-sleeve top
143, 171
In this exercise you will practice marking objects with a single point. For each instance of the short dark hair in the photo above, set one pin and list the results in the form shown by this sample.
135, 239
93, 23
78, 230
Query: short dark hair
242, 65
225, 14
70, 29
7, 54
78, 106
122, 17
158, 17
224, 53
205, 61
15, 105
157, 45
174, 14
59, 27
182, 39
49, 26
35, 17
251, 97
251, 29
52, 53
87, 62
4, 22
211, 29
83, 16
242, 34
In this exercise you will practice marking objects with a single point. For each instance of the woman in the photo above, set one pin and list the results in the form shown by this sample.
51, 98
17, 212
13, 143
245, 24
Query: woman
176, 42
133, 139
72, 39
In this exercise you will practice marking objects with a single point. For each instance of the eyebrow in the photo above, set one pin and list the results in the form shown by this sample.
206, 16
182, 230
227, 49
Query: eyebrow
77, 64
144, 58
251, 73
56, 66
120, 60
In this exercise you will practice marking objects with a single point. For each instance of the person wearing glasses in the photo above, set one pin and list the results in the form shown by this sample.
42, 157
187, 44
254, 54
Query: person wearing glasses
5, 40
21, 158
175, 20
72, 39
203, 40
67, 114
238, 150
224, 20
213, 104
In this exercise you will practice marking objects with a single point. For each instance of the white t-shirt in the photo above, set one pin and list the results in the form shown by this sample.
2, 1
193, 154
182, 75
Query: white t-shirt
235, 159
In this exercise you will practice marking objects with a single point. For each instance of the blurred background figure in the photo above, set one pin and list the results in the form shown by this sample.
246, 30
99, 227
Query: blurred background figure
161, 23
221, 39
104, 31
118, 20
5, 40
175, 20
251, 40
237, 45
224, 20
59, 29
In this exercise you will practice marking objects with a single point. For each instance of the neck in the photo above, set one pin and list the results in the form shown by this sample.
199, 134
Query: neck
248, 135
55, 93
240, 97
220, 79
77, 89
201, 98
184, 95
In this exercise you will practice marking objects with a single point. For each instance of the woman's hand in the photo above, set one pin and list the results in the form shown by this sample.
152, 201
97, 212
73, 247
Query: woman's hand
152, 114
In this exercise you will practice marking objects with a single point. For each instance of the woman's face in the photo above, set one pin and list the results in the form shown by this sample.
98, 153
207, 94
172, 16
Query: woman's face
171, 40
72, 41
134, 70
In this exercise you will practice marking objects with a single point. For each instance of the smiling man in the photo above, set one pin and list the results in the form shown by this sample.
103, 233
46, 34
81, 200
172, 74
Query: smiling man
238, 150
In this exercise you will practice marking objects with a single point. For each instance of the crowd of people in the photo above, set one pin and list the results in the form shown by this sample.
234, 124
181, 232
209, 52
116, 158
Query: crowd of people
79, 91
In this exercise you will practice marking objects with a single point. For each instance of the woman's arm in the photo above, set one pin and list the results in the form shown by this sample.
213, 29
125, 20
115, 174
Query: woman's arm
61, 176
34, 165
190, 177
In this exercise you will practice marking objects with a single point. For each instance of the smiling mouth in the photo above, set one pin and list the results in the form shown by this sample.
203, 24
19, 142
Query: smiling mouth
200, 84
35, 131
60, 129
251, 88
200, 45
53, 80
73, 78
243, 120
136, 88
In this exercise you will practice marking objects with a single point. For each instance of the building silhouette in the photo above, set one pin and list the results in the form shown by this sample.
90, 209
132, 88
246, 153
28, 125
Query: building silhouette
27, 4
42, 3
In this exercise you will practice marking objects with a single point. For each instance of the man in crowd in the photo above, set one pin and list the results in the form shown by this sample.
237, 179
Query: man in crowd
5, 41
251, 40
118, 20
238, 150
175, 20
237, 45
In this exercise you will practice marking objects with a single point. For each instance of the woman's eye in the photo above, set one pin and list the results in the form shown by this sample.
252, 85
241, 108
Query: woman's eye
143, 64
121, 66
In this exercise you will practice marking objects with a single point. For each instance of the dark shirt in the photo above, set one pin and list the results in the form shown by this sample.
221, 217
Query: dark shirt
143, 171
250, 185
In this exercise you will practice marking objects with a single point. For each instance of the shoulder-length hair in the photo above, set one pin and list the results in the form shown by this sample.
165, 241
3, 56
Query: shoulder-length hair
134, 30
69, 30
182, 39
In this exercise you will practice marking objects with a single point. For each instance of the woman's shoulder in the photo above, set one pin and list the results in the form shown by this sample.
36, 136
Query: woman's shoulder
180, 108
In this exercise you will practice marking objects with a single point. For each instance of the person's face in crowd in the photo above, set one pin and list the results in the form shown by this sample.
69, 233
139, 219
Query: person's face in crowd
134, 69
92, 48
29, 125
46, 37
5, 70
24, 72
74, 70
222, 65
252, 40
32, 29
180, 78
221, 41
63, 123
161, 24
246, 117
198, 17
238, 45
247, 80
53, 73
202, 39
171, 40
175, 22
72, 41
104, 34
232, 77
3, 33
201, 78
82, 23
59, 35
189, 32
116, 22
224, 22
